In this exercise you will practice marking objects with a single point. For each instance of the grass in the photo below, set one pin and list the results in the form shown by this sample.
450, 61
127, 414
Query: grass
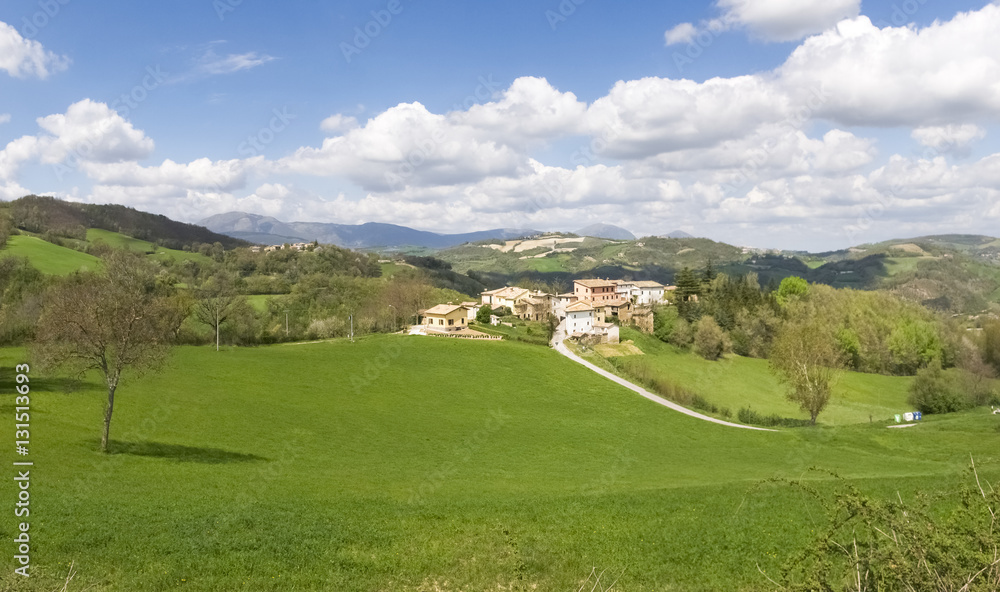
734, 382
259, 301
120, 241
47, 257
408, 463
545, 264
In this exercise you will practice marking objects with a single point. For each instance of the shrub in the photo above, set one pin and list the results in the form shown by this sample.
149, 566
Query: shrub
932, 392
682, 335
709, 340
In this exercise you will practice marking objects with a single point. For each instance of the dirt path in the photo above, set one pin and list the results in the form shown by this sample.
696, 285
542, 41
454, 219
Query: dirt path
557, 343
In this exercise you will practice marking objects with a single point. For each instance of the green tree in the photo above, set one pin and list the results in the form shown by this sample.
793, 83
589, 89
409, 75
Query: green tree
933, 392
791, 288
806, 358
991, 344
483, 314
111, 322
709, 340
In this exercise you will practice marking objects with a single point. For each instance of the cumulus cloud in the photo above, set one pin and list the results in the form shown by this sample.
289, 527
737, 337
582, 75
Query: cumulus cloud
22, 58
654, 115
943, 74
531, 109
950, 138
88, 132
787, 20
769, 20
405, 145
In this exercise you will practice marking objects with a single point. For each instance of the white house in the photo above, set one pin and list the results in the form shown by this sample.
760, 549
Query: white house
579, 318
648, 292
641, 292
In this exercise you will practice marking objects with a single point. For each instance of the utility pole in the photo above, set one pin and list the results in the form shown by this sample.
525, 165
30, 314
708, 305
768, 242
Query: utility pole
286, 322
352, 328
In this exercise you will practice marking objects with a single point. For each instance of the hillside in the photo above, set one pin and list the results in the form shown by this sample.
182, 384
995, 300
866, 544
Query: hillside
47, 215
267, 230
386, 481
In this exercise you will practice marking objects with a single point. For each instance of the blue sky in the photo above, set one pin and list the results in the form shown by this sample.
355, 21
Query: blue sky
786, 123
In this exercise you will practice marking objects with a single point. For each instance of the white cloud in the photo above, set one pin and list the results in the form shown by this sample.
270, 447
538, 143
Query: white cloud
338, 124
950, 138
787, 20
200, 174
212, 65
682, 33
769, 20
22, 57
644, 117
4, 118
405, 145
942, 74
531, 109
92, 131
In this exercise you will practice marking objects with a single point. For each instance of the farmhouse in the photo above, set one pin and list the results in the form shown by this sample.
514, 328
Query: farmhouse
508, 297
595, 290
446, 317
579, 318
536, 307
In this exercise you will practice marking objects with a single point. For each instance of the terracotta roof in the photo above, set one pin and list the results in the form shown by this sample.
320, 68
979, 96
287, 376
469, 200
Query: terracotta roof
508, 292
579, 307
594, 283
470, 304
443, 309
648, 284
616, 302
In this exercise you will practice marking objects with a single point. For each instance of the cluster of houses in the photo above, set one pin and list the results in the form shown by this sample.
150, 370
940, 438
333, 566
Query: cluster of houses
588, 310
292, 247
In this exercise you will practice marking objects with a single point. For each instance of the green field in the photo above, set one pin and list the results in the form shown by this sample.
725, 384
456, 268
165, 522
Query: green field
734, 382
47, 257
409, 463
120, 241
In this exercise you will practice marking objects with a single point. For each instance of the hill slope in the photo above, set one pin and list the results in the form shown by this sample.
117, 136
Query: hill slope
390, 474
49, 215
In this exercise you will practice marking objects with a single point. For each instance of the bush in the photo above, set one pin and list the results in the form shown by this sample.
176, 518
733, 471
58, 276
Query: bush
932, 391
682, 335
709, 340
750, 417
483, 314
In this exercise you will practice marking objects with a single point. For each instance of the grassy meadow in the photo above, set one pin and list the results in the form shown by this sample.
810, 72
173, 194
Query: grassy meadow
734, 382
421, 463
47, 257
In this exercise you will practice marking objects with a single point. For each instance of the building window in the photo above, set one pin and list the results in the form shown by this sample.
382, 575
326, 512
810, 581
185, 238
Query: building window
451, 322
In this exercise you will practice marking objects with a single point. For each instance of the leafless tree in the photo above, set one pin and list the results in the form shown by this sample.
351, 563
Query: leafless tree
217, 301
110, 321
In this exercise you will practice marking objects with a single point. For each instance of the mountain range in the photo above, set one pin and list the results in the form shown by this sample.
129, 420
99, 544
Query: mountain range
267, 230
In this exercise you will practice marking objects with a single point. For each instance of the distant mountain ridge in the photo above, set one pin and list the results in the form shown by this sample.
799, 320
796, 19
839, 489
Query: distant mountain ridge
608, 231
268, 230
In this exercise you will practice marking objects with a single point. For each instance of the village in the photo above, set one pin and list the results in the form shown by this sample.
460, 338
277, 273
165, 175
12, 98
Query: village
592, 312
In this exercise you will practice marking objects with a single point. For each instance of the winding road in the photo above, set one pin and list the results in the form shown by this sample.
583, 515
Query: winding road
559, 346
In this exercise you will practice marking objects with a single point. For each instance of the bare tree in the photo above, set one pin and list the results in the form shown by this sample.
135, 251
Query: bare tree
111, 321
217, 302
